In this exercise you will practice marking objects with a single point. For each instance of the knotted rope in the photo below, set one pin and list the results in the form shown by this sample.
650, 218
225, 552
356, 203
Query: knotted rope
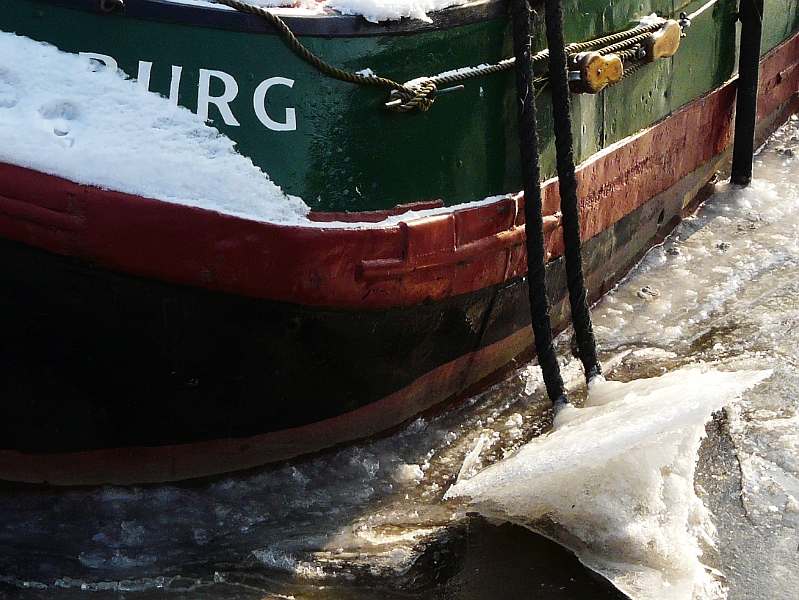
420, 93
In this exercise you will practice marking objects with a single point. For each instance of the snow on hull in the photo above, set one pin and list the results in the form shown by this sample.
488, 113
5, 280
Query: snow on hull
371, 10
64, 115
67, 116
391, 10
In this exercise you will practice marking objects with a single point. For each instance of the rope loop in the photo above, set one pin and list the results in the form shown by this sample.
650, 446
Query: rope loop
420, 97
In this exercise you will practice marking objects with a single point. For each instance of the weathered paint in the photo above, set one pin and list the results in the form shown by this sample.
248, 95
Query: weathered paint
430, 258
199, 459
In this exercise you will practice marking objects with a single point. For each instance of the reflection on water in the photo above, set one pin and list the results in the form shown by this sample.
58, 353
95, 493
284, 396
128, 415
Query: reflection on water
371, 520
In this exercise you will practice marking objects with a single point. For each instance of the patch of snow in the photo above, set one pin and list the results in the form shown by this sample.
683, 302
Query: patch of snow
391, 10
372, 10
406, 473
648, 20
72, 117
64, 115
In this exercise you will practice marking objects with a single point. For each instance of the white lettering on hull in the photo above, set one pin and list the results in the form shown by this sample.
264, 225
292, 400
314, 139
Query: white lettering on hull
108, 61
174, 84
143, 76
258, 98
204, 97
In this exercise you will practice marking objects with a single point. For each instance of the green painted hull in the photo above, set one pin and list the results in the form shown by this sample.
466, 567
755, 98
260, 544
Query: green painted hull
337, 147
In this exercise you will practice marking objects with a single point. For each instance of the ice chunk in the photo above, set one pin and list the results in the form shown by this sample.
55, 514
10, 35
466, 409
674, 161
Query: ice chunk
618, 476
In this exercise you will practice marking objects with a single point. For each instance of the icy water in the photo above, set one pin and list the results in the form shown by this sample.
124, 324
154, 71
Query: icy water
699, 498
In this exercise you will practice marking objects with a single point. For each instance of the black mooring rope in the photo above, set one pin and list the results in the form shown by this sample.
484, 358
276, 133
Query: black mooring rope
558, 78
534, 221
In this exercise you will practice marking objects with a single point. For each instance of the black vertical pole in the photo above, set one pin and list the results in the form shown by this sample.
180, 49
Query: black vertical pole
750, 13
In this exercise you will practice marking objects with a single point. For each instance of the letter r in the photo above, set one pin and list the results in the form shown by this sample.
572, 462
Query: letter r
204, 97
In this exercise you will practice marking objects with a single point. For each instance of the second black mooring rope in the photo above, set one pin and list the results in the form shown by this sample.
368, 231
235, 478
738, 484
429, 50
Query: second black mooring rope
534, 222
531, 177
751, 16
569, 204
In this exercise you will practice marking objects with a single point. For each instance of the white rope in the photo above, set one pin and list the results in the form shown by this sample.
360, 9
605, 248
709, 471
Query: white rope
696, 13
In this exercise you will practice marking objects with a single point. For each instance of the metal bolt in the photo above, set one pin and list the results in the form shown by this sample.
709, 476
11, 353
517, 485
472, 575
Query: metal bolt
108, 6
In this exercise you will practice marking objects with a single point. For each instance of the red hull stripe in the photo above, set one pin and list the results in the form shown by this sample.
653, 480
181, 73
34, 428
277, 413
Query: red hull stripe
429, 258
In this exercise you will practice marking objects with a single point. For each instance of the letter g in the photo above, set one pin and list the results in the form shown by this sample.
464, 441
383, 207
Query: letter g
260, 110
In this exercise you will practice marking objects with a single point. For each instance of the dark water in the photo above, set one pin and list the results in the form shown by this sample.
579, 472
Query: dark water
371, 521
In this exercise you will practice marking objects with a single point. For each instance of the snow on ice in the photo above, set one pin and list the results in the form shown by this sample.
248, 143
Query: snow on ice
617, 475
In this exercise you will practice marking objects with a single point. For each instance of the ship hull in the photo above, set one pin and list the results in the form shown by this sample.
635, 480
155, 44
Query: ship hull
146, 341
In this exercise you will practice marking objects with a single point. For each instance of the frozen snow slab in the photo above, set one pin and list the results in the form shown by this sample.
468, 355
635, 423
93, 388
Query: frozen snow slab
617, 475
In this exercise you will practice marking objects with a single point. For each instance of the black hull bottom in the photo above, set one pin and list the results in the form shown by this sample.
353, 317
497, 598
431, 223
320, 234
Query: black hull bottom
95, 359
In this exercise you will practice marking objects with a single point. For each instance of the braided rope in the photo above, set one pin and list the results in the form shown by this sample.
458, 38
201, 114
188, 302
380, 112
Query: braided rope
628, 43
421, 97
421, 94
480, 70
613, 38
630, 55
567, 184
633, 68
534, 222
624, 39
